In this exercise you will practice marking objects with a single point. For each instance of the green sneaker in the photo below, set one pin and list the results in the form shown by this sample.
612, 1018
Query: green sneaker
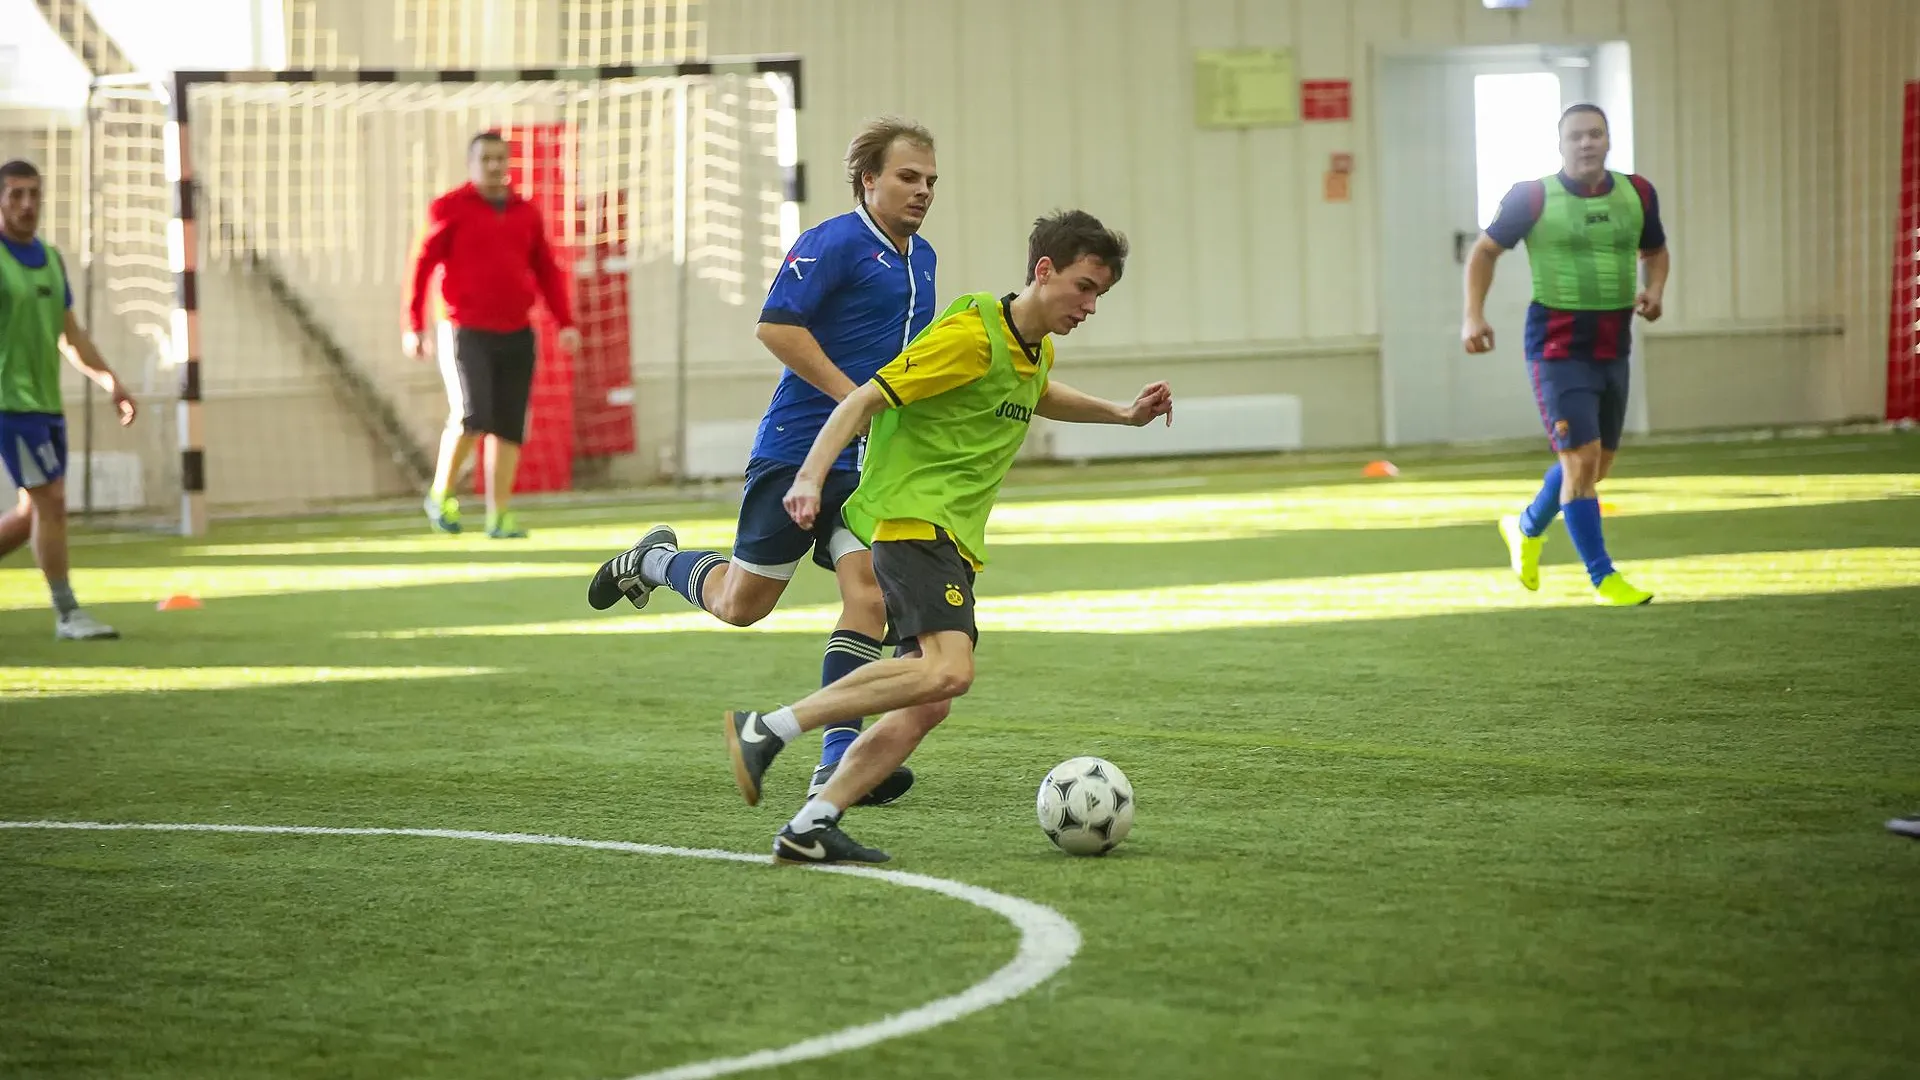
1613, 591
1523, 552
505, 527
443, 513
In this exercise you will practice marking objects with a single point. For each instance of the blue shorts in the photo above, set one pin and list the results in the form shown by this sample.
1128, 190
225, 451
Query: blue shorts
1581, 400
34, 447
767, 542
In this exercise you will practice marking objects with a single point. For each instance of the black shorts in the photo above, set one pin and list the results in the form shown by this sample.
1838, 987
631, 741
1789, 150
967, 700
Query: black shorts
489, 378
928, 587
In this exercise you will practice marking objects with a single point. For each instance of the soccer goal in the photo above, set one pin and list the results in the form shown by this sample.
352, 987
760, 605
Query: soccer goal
257, 230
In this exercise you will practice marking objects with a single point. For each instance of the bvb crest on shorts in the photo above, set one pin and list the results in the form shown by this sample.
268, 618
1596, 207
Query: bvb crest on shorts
955, 596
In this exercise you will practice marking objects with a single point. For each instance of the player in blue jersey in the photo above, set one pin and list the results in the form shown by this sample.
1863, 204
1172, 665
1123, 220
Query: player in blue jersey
851, 294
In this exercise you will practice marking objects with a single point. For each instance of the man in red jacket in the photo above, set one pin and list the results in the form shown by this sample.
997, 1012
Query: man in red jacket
492, 246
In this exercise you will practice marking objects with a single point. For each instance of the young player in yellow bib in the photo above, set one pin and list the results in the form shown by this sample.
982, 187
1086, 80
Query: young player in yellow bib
948, 416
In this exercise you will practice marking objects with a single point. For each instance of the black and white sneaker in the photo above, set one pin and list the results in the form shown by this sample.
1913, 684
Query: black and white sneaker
752, 748
620, 576
889, 790
822, 847
1906, 826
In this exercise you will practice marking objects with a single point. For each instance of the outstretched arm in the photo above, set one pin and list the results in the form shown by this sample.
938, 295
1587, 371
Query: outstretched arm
1475, 332
1519, 210
1064, 403
1652, 299
85, 355
849, 419
434, 242
553, 287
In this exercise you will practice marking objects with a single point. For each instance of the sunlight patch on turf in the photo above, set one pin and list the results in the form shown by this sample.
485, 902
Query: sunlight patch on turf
1407, 505
23, 588
611, 539
41, 682
1162, 518
1690, 579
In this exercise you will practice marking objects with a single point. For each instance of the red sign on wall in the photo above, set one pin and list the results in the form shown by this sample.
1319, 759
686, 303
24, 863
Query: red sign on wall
1326, 99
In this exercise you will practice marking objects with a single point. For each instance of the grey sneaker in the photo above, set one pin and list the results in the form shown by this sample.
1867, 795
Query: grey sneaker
79, 626
1906, 826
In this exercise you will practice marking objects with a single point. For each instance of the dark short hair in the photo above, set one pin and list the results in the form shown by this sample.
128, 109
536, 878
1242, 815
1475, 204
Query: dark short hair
1066, 236
18, 169
483, 137
1584, 107
867, 153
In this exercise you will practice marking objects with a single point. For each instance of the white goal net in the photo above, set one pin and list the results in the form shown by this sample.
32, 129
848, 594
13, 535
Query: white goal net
668, 200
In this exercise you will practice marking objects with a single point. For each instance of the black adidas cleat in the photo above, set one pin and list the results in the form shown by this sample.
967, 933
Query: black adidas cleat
620, 575
752, 748
822, 847
888, 790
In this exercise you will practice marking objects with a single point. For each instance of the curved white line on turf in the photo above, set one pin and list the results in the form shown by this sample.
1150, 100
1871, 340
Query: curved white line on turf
1048, 941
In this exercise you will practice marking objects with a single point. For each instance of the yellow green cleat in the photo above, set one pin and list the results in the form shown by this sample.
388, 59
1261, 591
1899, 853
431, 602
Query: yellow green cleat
1614, 591
443, 513
1523, 552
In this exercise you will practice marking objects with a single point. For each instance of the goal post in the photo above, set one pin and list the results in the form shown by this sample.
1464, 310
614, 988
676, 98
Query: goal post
670, 192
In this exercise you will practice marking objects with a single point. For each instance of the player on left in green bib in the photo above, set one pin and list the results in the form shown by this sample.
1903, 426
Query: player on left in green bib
948, 416
36, 314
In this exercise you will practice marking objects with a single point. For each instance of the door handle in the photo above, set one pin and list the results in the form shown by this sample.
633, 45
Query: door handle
1462, 242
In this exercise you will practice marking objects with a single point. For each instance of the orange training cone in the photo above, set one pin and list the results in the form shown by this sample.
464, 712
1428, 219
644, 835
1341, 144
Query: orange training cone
179, 602
1380, 468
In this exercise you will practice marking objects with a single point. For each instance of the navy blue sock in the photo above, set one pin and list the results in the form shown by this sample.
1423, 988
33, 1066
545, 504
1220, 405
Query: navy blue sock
1583, 523
1545, 506
847, 650
687, 573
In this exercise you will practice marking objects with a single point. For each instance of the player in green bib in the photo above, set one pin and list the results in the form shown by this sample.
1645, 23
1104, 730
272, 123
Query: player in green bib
36, 311
1588, 233
947, 418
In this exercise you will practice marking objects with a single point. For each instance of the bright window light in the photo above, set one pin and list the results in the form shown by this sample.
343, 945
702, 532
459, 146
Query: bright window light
1514, 118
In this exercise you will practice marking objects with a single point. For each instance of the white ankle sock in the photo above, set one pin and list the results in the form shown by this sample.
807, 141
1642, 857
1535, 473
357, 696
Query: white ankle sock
782, 723
817, 814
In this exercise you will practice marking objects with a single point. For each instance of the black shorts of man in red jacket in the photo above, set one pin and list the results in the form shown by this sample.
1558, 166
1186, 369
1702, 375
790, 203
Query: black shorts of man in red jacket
490, 246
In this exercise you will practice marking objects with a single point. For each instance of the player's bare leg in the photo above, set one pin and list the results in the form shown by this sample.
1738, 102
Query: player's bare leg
49, 512
1580, 472
729, 592
814, 835
738, 596
881, 750
503, 464
456, 445
854, 643
16, 525
941, 671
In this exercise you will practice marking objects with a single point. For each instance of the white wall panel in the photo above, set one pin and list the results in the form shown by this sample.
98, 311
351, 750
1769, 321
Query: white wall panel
1090, 102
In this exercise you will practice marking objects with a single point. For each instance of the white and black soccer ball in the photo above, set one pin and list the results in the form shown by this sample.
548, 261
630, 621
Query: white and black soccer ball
1086, 806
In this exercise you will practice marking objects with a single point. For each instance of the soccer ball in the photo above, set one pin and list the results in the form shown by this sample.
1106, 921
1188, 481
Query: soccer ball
1086, 806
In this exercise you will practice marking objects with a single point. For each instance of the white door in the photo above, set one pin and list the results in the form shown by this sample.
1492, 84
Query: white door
1456, 133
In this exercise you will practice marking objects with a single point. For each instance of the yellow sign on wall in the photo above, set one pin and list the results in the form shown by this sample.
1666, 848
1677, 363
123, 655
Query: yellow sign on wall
1242, 88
